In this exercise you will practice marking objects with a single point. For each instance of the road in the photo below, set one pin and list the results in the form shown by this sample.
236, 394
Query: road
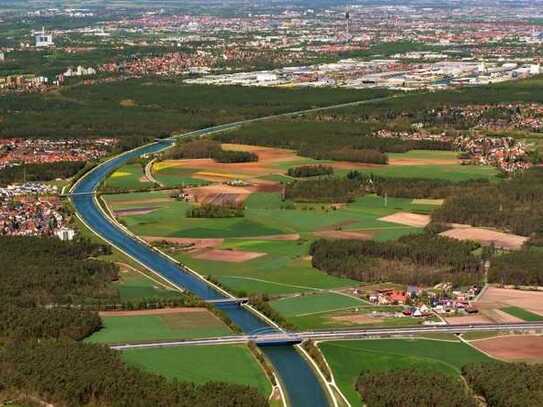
339, 334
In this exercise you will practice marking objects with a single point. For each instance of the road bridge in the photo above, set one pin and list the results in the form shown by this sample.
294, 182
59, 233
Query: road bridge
283, 338
229, 301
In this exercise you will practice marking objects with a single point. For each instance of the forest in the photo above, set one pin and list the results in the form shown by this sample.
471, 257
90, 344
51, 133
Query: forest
412, 388
414, 187
40, 172
332, 190
506, 384
43, 279
142, 109
76, 374
424, 259
524, 268
512, 205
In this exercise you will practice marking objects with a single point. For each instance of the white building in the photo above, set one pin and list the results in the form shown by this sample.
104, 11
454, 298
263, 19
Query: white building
2, 57
65, 234
43, 39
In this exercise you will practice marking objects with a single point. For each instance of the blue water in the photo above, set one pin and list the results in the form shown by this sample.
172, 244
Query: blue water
298, 379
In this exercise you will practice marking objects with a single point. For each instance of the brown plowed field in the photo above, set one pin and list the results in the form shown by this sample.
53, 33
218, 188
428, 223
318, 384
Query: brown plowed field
229, 256
408, 219
513, 348
486, 237
468, 319
340, 234
495, 298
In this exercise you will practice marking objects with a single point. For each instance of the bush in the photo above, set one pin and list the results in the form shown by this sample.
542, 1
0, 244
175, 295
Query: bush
216, 211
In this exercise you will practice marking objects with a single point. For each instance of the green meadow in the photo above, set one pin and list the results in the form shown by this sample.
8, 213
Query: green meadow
176, 177
523, 314
348, 359
201, 364
134, 286
128, 177
135, 328
265, 215
314, 303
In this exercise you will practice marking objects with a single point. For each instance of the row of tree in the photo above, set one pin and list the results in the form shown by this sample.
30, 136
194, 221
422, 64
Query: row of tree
524, 268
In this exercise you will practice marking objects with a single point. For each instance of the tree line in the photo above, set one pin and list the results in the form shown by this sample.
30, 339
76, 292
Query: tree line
523, 268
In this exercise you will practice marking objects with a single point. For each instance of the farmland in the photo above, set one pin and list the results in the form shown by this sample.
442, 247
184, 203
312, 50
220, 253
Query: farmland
348, 358
177, 323
128, 177
201, 364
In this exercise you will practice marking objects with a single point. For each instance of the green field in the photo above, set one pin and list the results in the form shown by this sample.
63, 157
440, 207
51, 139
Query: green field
284, 269
134, 286
129, 329
348, 359
265, 216
175, 177
314, 303
128, 177
523, 314
201, 364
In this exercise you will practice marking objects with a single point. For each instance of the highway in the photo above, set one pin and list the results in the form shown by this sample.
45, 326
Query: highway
275, 338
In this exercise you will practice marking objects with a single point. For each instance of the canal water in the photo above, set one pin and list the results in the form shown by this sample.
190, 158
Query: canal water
299, 380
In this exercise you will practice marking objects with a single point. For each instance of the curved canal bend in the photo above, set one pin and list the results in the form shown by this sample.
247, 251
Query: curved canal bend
298, 379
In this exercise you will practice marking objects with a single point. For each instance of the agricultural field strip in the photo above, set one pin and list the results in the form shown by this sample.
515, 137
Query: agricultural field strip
275, 283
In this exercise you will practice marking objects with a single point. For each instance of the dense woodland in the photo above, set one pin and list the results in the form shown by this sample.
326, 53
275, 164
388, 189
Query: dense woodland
409, 388
94, 375
524, 268
140, 110
507, 384
331, 190
424, 259
40, 172
413, 187
305, 171
43, 279
513, 205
